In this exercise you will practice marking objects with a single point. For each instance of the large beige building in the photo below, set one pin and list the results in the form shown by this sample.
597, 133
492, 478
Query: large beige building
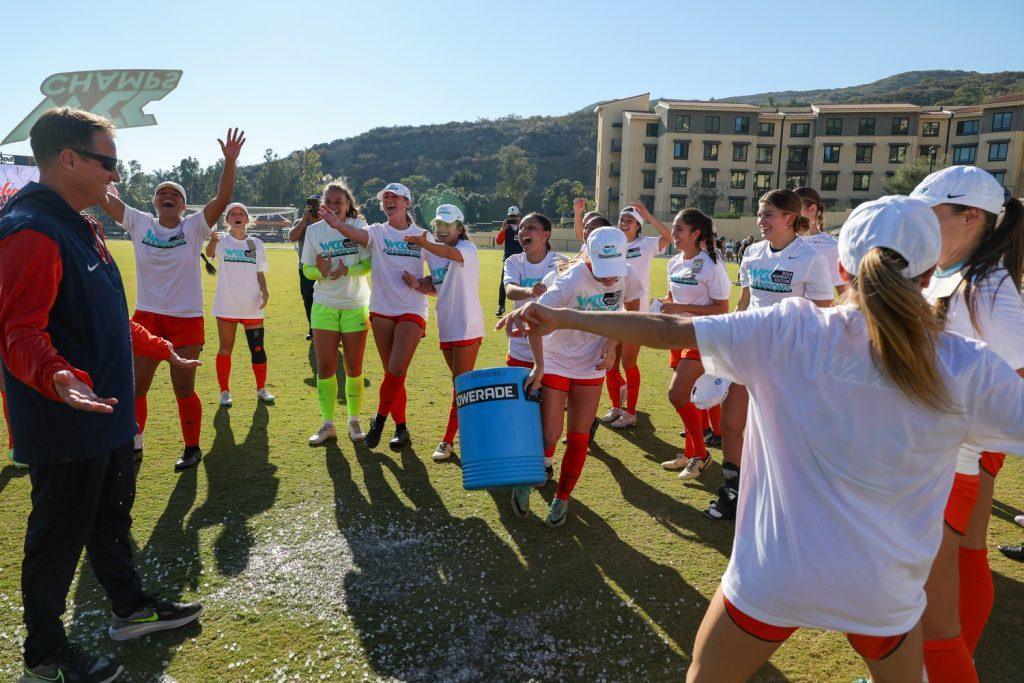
721, 157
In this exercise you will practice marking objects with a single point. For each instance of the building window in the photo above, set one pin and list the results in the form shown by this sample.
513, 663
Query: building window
866, 125
830, 204
997, 151
928, 151
736, 205
682, 123
897, 154
799, 130
1002, 120
648, 180
930, 129
900, 125
831, 155
742, 125
738, 180
710, 151
616, 144
652, 130
739, 152
764, 154
766, 129
708, 177
797, 159
829, 182
681, 149
968, 127
678, 177
965, 155
833, 126
864, 154
676, 202
613, 170
648, 201
861, 182
762, 181
795, 180
650, 154
711, 124
1000, 176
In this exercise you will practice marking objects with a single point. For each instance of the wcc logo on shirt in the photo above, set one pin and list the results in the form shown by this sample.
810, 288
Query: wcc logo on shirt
342, 247
609, 301
437, 274
771, 280
240, 256
633, 252
688, 276
152, 240
401, 248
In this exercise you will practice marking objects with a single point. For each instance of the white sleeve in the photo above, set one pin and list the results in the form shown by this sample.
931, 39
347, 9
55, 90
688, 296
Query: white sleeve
631, 290
744, 275
818, 286
130, 218
196, 225
511, 276
557, 294
997, 405
373, 231
833, 265
308, 257
718, 284
740, 346
261, 258
999, 310
656, 247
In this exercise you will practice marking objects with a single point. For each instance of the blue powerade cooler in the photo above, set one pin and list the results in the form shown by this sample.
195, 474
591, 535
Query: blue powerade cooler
499, 429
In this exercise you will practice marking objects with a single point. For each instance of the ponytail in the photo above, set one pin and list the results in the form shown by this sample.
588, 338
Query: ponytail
698, 220
1002, 245
902, 328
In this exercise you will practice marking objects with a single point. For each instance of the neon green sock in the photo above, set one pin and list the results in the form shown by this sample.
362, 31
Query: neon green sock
327, 396
353, 395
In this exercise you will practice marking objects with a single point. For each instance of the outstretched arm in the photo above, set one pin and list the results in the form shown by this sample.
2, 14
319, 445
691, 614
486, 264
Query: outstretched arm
357, 235
230, 149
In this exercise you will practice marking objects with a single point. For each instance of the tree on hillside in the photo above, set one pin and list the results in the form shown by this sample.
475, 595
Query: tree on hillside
515, 173
910, 174
311, 174
466, 179
557, 199
705, 197
428, 201
189, 174
417, 184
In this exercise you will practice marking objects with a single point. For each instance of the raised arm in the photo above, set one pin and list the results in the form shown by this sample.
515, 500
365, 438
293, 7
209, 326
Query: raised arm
579, 205
230, 149
113, 207
664, 234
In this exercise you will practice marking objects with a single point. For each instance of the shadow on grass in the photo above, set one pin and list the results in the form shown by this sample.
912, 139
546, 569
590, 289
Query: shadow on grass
1005, 511
999, 656
9, 473
644, 436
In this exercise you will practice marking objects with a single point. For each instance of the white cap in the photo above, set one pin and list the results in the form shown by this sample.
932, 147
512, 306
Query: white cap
395, 188
513, 211
906, 225
708, 391
606, 247
236, 205
174, 186
449, 213
633, 213
965, 185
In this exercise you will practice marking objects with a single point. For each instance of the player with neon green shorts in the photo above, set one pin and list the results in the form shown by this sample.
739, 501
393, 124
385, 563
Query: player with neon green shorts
340, 313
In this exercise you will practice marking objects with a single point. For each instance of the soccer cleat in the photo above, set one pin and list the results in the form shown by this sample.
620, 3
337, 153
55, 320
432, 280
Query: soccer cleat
557, 512
401, 439
521, 501
355, 430
500, 312
443, 452
625, 420
1014, 552
309, 336
376, 429
154, 615
71, 664
694, 467
265, 396
189, 457
713, 440
677, 464
324, 434
612, 415
723, 507
225, 399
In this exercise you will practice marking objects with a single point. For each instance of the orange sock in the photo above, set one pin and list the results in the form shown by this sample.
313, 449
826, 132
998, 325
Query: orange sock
389, 387
691, 416
977, 594
453, 422
632, 389
715, 419
259, 371
947, 661
141, 412
223, 371
190, 412
615, 382
572, 464
398, 407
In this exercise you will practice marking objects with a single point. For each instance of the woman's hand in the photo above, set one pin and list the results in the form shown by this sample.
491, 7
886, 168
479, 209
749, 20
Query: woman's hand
332, 219
419, 240
340, 271
264, 298
323, 264
538, 289
607, 356
411, 281
534, 381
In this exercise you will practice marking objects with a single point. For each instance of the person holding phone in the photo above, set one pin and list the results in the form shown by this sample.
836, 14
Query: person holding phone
297, 236
507, 235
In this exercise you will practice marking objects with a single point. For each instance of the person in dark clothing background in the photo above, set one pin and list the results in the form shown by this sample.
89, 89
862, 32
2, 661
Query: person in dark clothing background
508, 236
67, 344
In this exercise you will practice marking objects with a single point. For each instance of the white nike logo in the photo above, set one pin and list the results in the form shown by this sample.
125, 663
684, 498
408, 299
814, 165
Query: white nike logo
94, 267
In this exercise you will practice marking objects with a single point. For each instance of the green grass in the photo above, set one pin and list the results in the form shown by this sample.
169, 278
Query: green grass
319, 563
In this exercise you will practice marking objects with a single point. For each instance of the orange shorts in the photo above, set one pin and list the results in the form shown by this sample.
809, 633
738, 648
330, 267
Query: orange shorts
676, 355
868, 647
179, 331
961, 502
405, 317
516, 363
445, 346
248, 322
560, 383
992, 462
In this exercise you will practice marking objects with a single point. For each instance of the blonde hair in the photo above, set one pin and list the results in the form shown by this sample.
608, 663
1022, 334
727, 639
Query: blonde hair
903, 328
341, 186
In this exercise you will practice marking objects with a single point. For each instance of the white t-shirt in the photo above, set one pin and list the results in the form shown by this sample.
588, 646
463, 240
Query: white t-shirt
697, 281
392, 256
828, 246
521, 273
571, 353
238, 291
639, 253
1000, 313
459, 316
167, 266
347, 292
837, 524
797, 270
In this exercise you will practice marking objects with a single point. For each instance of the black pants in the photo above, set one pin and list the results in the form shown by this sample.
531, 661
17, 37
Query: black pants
501, 287
81, 503
306, 287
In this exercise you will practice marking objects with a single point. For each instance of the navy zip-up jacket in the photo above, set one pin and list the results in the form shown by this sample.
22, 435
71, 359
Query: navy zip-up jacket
62, 307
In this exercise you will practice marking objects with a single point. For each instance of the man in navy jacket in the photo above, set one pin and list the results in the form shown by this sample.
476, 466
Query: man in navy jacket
67, 344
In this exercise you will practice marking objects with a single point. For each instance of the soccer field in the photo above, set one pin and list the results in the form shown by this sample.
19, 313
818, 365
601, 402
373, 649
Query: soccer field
344, 563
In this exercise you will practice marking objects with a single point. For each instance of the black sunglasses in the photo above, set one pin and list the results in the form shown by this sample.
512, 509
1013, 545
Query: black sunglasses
109, 163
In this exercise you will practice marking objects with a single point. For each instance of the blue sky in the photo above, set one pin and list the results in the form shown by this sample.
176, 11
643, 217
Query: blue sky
295, 73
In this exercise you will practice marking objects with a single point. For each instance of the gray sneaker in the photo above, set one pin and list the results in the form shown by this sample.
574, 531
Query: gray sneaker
154, 615
72, 664
557, 512
521, 501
